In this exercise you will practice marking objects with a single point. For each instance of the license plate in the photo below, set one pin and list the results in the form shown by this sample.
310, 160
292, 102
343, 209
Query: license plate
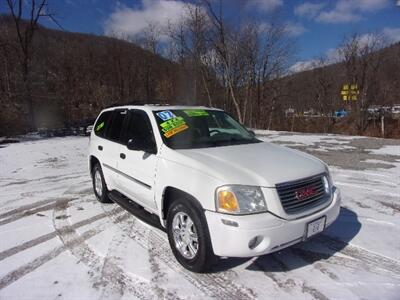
315, 227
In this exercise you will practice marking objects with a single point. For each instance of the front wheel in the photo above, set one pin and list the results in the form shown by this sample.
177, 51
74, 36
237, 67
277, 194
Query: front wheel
188, 237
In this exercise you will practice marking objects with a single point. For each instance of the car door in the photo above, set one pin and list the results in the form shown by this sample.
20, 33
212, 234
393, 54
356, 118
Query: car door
136, 167
110, 146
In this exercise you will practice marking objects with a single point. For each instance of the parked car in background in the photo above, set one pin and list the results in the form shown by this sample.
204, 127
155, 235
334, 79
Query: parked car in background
396, 109
89, 129
340, 113
289, 112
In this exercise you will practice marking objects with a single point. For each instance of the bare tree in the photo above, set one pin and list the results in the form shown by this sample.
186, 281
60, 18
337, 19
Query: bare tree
190, 39
325, 93
6, 49
150, 38
249, 55
25, 31
273, 54
225, 44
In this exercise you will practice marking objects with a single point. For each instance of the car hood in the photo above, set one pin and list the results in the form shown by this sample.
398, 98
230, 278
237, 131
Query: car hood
262, 164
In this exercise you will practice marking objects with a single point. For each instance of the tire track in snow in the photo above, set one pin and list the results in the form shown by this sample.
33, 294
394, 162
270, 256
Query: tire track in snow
22, 209
348, 262
369, 260
26, 213
332, 279
288, 284
109, 277
20, 272
108, 269
214, 285
158, 276
44, 238
320, 267
353, 257
16, 197
48, 179
36, 263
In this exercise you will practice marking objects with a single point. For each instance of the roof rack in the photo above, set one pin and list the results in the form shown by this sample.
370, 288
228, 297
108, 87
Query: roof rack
139, 103
157, 104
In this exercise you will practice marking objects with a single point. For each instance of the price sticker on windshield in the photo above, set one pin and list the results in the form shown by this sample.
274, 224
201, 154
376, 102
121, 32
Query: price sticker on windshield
176, 130
166, 115
172, 123
173, 126
196, 112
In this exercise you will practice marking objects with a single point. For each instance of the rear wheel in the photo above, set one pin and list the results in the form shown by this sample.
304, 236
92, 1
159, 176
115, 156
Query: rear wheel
188, 237
99, 185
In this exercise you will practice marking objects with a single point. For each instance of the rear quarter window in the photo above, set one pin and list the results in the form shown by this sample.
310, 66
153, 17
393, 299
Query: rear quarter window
116, 125
102, 123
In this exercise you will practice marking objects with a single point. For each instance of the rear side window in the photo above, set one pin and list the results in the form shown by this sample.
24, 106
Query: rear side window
117, 122
102, 123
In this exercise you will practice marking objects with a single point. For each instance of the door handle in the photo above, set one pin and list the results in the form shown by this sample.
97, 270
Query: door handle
100, 148
122, 155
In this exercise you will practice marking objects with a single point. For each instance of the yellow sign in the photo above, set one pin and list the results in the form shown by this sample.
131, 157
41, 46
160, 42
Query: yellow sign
175, 130
349, 92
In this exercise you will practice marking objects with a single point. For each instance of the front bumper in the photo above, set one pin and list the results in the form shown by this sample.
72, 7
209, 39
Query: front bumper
275, 233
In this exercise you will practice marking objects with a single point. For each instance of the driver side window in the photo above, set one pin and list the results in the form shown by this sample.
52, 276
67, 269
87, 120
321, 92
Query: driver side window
139, 127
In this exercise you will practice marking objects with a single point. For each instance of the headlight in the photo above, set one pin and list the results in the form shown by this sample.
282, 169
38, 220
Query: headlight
328, 183
240, 199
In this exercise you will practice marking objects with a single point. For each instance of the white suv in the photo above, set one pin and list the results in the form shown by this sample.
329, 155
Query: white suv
217, 189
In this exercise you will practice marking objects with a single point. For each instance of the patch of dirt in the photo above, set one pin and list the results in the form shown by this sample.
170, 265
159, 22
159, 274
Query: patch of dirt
313, 292
54, 162
362, 205
62, 217
392, 205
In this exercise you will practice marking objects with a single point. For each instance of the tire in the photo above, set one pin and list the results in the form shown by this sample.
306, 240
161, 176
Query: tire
99, 185
196, 259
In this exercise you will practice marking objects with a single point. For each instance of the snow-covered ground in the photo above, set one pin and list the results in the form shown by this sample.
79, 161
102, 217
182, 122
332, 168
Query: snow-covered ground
57, 242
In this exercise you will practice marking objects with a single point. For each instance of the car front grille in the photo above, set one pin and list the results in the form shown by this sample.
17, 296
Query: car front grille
300, 195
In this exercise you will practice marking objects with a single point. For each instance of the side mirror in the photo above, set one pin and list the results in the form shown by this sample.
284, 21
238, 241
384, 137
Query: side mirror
252, 133
142, 145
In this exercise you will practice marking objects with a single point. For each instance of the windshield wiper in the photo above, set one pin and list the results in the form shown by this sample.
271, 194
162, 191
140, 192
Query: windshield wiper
214, 143
235, 141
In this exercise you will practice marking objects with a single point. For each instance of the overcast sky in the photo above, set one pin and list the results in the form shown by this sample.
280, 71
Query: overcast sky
317, 26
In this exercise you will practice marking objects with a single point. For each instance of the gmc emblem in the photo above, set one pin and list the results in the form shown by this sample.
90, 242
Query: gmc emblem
305, 193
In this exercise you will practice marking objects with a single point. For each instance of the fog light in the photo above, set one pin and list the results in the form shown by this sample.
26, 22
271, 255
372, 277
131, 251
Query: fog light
254, 242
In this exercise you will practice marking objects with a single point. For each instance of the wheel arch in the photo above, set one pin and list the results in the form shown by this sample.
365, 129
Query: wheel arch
170, 194
93, 160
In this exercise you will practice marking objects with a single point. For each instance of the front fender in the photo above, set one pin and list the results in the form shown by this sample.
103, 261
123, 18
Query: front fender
199, 185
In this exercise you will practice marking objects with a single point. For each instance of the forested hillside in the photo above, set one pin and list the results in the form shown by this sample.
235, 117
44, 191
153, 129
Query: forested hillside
307, 89
319, 91
73, 76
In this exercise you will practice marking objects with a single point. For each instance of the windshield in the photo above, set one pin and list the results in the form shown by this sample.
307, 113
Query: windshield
199, 128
